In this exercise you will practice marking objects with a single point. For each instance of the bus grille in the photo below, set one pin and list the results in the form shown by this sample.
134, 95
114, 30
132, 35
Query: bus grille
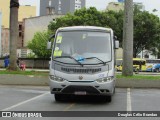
84, 71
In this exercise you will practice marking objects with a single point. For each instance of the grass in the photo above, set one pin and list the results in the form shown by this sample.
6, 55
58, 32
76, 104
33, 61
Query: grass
140, 77
25, 72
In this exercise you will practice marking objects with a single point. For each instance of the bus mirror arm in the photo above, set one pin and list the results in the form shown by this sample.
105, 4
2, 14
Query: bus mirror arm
115, 38
49, 43
51, 37
116, 44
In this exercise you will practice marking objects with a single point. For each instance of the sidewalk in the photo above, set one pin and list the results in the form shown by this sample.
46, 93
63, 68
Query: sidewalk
16, 79
39, 70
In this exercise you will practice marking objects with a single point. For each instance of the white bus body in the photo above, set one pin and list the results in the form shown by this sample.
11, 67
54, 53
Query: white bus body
83, 62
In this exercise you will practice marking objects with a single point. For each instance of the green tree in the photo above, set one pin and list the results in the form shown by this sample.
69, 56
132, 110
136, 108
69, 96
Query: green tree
156, 45
80, 17
91, 17
145, 31
114, 20
39, 44
146, 25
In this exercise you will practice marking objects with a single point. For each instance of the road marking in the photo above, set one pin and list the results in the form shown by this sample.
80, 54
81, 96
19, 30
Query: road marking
69, 107
129, 106
24, 102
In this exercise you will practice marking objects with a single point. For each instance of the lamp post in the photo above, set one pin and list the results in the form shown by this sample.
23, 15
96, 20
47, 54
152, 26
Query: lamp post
14, 5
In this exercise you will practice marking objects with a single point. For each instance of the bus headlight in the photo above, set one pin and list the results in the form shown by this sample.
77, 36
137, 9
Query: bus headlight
106, 79
55, 78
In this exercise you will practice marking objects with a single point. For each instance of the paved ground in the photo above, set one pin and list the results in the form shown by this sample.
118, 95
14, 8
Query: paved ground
31, 98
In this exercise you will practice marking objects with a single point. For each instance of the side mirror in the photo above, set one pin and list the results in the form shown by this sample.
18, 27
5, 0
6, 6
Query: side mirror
49, 45
116, 44
49, 62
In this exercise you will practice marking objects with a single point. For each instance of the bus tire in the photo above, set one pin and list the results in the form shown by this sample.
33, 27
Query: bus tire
114, 90
106, 98
157, 70
136, 71
109, 98
58, 97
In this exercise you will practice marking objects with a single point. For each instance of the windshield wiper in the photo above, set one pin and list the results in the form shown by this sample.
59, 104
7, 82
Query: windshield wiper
71, 58
97, 59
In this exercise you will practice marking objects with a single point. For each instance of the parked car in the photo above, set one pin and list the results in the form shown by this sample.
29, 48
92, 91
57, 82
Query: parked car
149, 68
156, 68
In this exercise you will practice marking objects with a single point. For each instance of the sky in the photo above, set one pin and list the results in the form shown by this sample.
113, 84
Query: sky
102, 4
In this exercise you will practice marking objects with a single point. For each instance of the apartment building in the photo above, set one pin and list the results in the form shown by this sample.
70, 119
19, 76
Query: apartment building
60, 6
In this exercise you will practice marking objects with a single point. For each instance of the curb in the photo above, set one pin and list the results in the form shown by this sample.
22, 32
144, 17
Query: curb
134, 83
9, 79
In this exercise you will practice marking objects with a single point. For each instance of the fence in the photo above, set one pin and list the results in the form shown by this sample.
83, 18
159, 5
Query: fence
31, 62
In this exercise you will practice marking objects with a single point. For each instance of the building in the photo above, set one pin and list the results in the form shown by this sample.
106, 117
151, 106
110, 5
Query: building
117, 6
143, 54
5, 42
20, 41
24, 12
28, 28
139, 5
60, 6
146, 54
36, 24
5, 39
5, 9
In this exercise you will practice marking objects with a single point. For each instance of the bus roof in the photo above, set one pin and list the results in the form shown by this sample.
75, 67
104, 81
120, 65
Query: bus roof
84, 28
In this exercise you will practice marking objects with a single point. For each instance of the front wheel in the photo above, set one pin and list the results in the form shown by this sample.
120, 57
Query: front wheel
114, 90
106, 98
58, 97
109, 98
157, 70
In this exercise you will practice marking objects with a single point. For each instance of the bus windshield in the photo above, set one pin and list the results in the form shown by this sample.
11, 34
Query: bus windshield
81, 45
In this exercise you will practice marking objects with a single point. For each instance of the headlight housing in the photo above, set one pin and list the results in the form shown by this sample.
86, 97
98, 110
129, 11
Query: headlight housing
105, 79
55, 78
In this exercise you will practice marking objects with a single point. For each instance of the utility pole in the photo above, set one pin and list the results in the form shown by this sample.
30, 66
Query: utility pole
14, 5
128, 39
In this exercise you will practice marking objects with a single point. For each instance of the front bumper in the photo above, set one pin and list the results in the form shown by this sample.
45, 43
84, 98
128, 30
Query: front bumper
89, 88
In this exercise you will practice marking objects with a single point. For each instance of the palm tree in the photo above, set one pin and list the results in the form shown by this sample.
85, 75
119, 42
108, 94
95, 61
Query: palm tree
128, 39
14, 5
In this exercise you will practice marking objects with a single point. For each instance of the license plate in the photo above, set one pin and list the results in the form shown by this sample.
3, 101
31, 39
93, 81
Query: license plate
80, 93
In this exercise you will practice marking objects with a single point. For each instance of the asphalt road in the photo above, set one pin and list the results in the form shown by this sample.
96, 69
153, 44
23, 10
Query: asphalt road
36, 98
